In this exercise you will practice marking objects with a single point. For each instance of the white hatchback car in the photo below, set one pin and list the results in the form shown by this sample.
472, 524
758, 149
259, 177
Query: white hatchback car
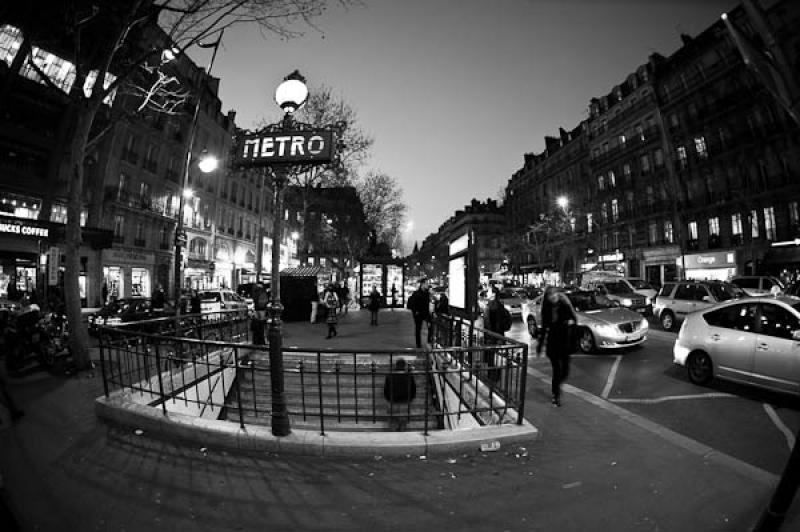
217, 299
754, 341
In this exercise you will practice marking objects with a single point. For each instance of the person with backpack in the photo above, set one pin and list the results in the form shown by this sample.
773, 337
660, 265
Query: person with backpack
374, 305
558, 324
331, 302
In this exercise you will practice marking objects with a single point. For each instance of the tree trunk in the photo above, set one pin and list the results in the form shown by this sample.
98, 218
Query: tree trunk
79, 337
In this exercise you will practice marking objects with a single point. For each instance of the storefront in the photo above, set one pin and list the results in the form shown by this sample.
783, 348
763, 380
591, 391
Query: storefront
383, 275
659, 265
128, 273
710, 266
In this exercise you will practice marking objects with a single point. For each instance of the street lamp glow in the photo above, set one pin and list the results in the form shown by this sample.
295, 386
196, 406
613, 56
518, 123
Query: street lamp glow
188, 193
292, 93
562, 202
208, 163
295, 235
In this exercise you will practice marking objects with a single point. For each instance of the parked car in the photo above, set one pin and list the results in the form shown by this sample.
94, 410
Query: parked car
602, 322
124, 310
634, 284
512, 300
219, 299
755, 285
754, 341
620, 291
677, 299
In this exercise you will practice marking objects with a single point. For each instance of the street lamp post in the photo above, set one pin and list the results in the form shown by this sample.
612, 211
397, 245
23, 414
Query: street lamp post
206, 164
282, 146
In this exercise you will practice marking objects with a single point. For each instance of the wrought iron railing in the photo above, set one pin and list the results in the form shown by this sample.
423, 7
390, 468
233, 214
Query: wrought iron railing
205, 365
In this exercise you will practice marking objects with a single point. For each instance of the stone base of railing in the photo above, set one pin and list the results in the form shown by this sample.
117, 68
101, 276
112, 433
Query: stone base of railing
118, 408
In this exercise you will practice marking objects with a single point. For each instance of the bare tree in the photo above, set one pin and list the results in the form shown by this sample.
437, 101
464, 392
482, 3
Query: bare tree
108, 44
382, 197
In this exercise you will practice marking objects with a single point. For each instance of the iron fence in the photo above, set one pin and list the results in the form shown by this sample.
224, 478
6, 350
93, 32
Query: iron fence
204, 365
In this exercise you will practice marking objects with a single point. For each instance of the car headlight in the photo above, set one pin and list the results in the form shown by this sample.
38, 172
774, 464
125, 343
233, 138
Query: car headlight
627, 302
646, 300
606, 330
644, 324
508, 307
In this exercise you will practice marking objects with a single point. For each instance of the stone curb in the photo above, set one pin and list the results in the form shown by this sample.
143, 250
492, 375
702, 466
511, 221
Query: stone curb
254, 438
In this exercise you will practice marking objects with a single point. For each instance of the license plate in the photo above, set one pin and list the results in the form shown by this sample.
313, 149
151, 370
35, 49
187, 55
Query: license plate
633, 337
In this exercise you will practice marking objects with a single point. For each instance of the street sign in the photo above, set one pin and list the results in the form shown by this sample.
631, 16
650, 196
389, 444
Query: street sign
285, 147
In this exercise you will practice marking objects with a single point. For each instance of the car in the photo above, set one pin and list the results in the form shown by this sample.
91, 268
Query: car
217, 299
512, 299
620, 291
634, 284
755, 285
676, 300
602, 322
124, 310
754, 341
245, 291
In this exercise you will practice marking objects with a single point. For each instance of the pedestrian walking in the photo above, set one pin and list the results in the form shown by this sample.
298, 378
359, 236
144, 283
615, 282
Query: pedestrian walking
260, 304
419, 305
496, 319
442, 305
346, 297
104, 293
159, 298
195, 304
399, 388
394, 296
558, 324
374, 305
331, 301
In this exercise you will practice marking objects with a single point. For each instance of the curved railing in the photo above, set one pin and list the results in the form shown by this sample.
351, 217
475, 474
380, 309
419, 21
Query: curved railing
206, 366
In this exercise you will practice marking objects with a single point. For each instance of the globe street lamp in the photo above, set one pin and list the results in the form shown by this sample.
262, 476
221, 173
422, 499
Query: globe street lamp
562, 202
290, 96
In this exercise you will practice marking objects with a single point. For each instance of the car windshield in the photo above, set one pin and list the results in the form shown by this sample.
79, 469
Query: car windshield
726, 291
210, 296
639, 284
617, 288
585, 301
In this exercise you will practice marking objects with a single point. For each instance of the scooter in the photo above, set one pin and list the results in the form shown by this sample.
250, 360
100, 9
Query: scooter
29, 339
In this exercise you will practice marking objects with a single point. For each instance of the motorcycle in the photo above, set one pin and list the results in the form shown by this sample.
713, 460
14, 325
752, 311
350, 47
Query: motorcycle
30, 337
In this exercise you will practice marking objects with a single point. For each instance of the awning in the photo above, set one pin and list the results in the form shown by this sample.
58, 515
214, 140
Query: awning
307, 271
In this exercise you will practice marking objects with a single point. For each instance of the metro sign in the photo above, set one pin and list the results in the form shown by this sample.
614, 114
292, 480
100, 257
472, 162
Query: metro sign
282, 147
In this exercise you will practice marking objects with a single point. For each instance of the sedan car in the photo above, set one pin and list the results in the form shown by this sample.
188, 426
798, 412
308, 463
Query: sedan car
512, 300
124, 310
754, 341
602, 322
217, 299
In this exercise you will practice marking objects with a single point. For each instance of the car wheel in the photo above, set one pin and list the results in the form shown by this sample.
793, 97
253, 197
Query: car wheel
586, 341
699, 368
667, 320
533, 329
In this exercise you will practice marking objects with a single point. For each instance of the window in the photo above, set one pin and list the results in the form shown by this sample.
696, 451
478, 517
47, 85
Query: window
777, 321
589, 223
692, 230
604, 212
122, 187
601, 183
614, 210
682, 160
163, 237
736, 224
754, 223
736, 317
658, 158
615, 240
769, 223
626, 171
622, 139
700, 147
794, 213
119, 225
692, 108
688, 292
668, 233
639, 131
644, 163
604, 242
144, 191
673, 120
649, 195
612, 180
653, 233
629, 202
713, 226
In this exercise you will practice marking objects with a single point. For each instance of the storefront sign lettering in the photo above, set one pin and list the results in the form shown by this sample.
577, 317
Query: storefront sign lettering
24, 230
720, 259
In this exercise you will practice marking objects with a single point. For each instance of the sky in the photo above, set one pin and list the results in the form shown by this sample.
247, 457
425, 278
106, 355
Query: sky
454, 92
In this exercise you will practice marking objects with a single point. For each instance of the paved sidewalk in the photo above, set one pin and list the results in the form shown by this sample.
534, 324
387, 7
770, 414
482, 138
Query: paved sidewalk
592, 468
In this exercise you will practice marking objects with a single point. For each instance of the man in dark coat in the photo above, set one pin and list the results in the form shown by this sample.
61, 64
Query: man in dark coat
558, 322
399, 388
419, 305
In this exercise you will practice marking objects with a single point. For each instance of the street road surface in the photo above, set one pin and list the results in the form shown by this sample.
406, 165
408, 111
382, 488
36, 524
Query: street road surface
755, 426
